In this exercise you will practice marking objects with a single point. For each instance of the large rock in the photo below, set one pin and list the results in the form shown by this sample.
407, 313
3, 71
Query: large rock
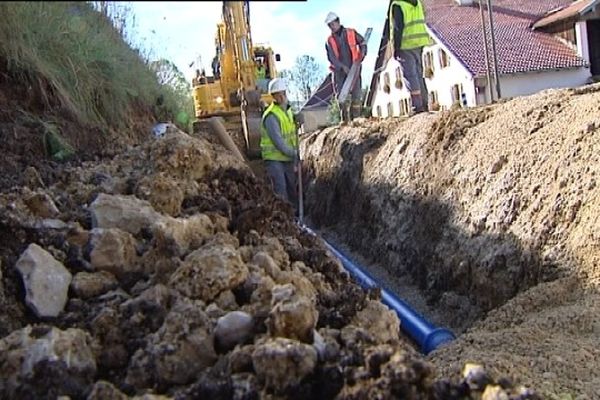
186, 233
45, 362
113, 250
293, 316
46, 281
282, 363
124, 212
178, 351
381, 322
182, 156
208, 271
162, 192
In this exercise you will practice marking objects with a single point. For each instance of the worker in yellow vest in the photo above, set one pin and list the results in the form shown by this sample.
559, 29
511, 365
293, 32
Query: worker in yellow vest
261, 73
261, 76
344, 47
409, 35
279, 143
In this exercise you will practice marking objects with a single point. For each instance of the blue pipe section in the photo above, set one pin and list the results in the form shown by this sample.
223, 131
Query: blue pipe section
427, 336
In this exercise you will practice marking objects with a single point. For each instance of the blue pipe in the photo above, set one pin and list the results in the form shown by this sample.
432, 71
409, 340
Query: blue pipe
427, 336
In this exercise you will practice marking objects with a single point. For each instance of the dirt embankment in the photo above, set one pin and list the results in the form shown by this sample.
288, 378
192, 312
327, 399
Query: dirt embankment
479, 207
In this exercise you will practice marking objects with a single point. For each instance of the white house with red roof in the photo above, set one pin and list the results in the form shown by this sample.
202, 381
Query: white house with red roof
540, 44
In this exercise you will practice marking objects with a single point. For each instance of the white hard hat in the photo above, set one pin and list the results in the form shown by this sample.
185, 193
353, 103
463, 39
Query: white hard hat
331, 17
277, 85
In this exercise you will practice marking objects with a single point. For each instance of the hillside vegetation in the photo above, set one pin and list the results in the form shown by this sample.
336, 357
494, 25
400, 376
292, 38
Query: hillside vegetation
75, 62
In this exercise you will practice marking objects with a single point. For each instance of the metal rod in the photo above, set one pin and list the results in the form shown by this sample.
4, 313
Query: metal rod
300, 187
487, 59
494, 53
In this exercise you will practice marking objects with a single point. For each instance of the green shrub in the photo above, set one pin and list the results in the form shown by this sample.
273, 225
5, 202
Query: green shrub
334, 112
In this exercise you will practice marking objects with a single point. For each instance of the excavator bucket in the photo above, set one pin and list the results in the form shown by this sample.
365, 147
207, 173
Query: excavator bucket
253, 136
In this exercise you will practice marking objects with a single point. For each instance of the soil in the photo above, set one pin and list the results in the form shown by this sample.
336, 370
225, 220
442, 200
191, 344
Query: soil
490, 212
493, 213
135, 324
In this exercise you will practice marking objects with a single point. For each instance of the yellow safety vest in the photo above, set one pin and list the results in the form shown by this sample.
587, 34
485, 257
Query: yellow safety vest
288, 133
414, 34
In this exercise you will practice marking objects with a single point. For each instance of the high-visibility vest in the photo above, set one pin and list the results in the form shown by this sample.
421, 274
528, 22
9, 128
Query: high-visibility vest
414, 34
261, 73
288, 133
354, 47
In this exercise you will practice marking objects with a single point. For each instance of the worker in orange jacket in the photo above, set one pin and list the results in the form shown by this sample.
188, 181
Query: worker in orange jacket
344, 47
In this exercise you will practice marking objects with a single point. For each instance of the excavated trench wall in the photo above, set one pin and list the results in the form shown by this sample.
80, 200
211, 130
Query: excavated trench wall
474, 205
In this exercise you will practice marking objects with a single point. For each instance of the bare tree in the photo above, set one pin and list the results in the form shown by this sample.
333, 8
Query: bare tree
167, 73
305, 76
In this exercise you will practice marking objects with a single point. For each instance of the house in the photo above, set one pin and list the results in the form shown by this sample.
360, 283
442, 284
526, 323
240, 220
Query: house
540, 44
316, 108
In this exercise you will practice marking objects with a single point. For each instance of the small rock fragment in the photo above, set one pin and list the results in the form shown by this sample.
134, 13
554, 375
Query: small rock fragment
86, 285
475, 376
46, 281
232, 329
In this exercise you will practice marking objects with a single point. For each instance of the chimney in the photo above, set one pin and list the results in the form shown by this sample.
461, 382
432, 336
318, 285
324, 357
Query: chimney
464, 2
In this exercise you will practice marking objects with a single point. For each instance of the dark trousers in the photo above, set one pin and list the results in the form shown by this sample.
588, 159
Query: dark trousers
283, 180
412, 68
348, 113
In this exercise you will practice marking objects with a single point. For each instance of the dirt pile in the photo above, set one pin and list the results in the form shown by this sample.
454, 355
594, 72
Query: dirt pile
493, 213
172, 271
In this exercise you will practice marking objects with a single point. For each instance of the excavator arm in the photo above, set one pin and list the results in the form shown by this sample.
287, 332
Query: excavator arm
234, 94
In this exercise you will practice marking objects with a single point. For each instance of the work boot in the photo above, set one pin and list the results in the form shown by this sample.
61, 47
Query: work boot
345, 110
417, 102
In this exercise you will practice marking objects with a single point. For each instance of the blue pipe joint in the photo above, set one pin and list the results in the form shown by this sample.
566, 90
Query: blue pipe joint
427, 336
435, 339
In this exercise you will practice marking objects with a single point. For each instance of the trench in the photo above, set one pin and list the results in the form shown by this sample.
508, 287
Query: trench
411, 243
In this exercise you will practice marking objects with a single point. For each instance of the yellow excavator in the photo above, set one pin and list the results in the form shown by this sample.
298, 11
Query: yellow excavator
236, 91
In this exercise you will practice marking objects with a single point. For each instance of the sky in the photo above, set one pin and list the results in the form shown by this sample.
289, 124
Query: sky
184, 32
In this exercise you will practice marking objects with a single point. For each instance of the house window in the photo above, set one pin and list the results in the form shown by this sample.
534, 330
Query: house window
444, 60
386, 82
398, 84
390, 110
458, 94
379, 111
434, 102
428, 64
404, 106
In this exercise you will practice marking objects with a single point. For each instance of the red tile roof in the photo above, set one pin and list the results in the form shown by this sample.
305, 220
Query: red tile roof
572, 11
519, 48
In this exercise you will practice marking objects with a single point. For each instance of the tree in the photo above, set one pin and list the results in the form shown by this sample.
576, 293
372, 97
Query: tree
167, 73
177, 89
304, 77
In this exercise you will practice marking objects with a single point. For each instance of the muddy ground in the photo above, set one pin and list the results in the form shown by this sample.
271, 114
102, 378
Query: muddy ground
160, 268
169, 270
493, 213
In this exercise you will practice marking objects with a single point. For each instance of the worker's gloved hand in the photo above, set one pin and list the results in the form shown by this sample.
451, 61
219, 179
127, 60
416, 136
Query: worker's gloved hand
299, 118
